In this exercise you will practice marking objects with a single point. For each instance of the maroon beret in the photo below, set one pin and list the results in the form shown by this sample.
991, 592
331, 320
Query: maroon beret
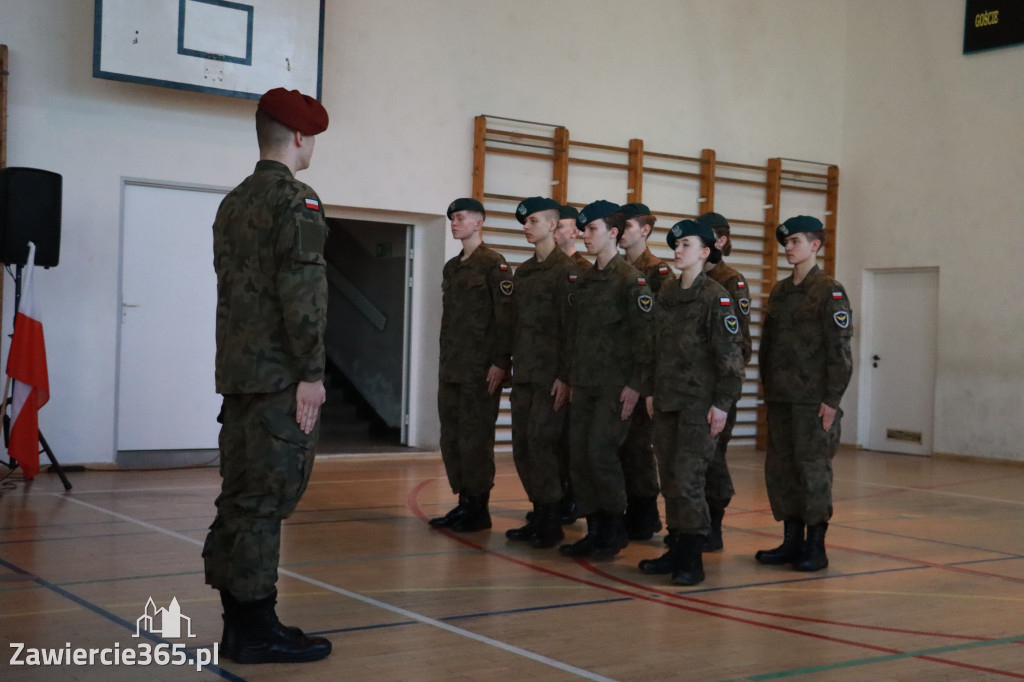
295, 110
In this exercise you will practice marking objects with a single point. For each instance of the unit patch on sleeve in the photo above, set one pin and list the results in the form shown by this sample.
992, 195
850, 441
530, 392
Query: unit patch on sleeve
506, 287
744, 304
732, 325
645, 302
842, 319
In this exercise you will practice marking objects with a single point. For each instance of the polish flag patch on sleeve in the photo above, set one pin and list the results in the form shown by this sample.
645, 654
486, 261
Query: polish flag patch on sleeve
740, 284
837, 295
642, 281
312, 204
725, 301
503, 266
663, 270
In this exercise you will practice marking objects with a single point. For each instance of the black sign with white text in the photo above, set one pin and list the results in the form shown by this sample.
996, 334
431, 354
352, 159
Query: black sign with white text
993, 23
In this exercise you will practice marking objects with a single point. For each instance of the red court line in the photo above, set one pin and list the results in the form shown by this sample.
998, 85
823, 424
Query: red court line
413, 505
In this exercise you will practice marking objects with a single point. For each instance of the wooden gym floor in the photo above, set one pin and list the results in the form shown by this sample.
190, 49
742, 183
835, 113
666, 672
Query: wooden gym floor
926, 581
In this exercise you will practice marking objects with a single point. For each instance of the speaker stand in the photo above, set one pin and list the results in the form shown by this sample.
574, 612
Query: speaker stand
12, 463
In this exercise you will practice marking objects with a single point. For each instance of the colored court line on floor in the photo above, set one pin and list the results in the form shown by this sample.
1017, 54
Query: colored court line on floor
117, 620
414, 507
425, 620
925, 654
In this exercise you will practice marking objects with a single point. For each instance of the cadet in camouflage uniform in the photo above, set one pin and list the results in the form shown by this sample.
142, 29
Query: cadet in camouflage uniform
268, 252
540, 380
637, 453
719, 489
476, 341
805, 364
698, 377
565, 238
610, 354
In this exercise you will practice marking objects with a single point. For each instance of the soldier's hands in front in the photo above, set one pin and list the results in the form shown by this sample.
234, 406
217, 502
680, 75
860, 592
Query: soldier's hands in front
309, 396
495, 375
560, 390
649, 402
828, 415
716, 419
629, 399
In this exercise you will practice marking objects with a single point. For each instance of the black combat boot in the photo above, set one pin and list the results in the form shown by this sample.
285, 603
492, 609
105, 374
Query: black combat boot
663, 565
813, 557
477, 516
613, 535
257, 636
229, 637
689, 568
453, 515
568, 511
524, 533
585, 545
713, 540
642, 517
548, 532
791, 548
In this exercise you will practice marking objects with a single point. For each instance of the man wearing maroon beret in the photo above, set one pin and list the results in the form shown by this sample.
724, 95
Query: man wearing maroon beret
268, 252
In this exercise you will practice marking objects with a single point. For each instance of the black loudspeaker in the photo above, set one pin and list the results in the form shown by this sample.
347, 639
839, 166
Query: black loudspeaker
30, 208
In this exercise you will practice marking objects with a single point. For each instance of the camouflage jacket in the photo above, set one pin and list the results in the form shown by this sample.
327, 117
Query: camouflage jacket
734, 283
611, 335
655, 270
541, 307
581, 261
805, 344
476, 319
698, 348
268, 252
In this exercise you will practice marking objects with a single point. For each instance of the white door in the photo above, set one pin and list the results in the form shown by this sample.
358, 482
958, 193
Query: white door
166, 395
901, 351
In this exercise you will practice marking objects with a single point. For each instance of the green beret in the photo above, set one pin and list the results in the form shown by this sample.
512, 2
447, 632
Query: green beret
568, 212
295, 110
465, 204
714, 221
689, 228
635, 209
595, 211
531, 205
800, 223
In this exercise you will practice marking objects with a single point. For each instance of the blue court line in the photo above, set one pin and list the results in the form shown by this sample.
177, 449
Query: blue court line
883, 659
117, 620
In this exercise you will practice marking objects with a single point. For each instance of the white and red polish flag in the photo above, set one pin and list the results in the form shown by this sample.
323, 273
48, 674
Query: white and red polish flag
26, 366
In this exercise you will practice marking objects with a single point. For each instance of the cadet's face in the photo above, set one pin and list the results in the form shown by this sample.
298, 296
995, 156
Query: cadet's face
565, 233
632, 235
538, 226
465, 223
799, 249
689, 252
597, 236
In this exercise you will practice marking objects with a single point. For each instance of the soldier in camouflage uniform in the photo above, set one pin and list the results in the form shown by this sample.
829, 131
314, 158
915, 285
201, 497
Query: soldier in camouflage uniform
698, 377
476, 341
805, 364
565, 238
719, 489
637, 453
540, 381
610, 354
268, 252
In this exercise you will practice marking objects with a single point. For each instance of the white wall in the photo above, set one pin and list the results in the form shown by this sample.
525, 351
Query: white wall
932, 165
403, 80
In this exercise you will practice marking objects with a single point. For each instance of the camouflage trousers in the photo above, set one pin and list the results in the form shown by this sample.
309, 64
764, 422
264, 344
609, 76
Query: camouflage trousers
265, 464
596, 432
718, 489
637, 456
798, 464
684, 445
468, 413
536, 430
